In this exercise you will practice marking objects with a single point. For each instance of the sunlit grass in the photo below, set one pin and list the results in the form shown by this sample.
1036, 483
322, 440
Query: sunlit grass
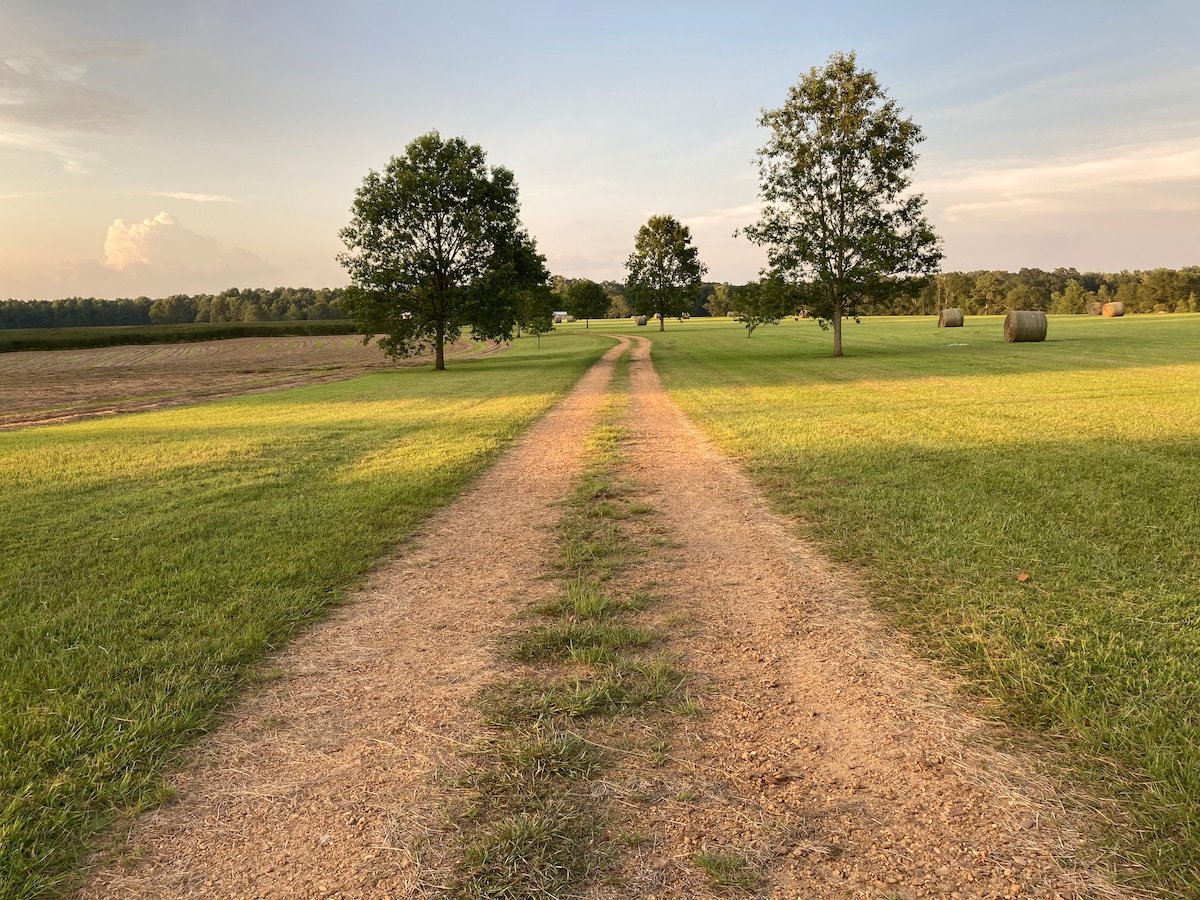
147, 563
946, 464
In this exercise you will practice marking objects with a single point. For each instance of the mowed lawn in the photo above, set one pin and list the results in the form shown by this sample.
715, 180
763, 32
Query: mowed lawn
148, 562
948, 465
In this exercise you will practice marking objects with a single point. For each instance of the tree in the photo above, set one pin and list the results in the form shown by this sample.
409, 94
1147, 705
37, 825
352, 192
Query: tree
436, 245
834, 173
765, 303
587, 300
664, 269
719, 303
535, 311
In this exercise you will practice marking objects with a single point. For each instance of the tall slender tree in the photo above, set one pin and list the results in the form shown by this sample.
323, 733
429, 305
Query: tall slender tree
435, 245
664, 269
838, 221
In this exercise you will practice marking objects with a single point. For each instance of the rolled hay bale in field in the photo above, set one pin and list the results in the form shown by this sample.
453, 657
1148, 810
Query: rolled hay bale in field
1095, 308
950, 318
1025, 325
641, 320
1113, 310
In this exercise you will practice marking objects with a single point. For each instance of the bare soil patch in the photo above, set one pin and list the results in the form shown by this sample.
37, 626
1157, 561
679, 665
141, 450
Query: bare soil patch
824, 756
40, 387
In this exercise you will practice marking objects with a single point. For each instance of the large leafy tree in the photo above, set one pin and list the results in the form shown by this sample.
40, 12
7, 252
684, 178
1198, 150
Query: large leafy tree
587, 300
664, 269
436, 245
838, 221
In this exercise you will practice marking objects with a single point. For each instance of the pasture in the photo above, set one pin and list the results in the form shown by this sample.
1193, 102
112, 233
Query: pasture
1028, 513
148, 562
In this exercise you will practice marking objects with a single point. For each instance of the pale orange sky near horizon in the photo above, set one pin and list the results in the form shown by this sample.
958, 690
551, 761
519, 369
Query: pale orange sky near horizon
150, 148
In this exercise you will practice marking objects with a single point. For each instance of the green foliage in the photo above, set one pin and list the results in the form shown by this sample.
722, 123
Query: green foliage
720, 303
436, 245
587, 300
664, 269
279, 304
945, 465
115, 336
837, 222
1059, 291
535, 311
765, 302
148, 562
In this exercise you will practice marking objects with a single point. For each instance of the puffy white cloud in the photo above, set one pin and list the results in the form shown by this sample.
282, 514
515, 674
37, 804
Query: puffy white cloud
163, 245
155, 257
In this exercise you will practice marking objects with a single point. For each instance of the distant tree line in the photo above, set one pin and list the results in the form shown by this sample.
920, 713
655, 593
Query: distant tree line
1060, 291
234, 305
1065, 291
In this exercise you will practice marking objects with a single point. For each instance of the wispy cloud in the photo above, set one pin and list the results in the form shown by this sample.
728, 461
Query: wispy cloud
197, 198
1159, 175
731, 216
47, 106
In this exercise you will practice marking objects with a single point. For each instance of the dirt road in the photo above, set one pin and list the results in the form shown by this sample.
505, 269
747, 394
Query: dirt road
827, 755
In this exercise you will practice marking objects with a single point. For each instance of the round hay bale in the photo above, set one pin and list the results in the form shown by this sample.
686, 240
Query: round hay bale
1113, 310
1025, 325
1095, 308
950, 318
641, 320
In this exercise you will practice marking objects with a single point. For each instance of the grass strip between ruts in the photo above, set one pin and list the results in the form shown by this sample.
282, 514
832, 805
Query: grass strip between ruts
531, 826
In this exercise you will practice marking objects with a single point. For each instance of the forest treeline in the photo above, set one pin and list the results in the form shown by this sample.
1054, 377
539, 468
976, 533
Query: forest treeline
1066, 291
976, 293
234, 305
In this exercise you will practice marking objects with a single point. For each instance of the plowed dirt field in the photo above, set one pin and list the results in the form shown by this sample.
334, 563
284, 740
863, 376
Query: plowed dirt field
41, 387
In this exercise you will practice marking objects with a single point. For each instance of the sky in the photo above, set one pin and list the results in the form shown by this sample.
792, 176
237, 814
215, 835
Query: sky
151, 148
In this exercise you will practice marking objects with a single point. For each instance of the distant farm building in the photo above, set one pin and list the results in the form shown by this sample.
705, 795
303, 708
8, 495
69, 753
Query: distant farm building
560, 317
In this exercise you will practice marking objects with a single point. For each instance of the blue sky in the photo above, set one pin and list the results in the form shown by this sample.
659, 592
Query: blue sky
151, 147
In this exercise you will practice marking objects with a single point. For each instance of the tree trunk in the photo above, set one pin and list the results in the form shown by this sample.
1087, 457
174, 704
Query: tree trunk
439, 353
837, 328
662, 322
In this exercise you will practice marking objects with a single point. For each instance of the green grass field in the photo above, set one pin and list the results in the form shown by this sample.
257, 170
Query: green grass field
148, 562
946, 463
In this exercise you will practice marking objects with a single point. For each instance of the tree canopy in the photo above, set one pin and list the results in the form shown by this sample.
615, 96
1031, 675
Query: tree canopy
587, 300
664, 269
436, 245
837, 221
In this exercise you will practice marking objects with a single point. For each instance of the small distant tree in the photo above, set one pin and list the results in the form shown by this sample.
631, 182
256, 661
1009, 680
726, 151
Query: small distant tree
1073, 300
719, 303
586, 300
837, 221
435, 245
535, 311
618, 306
664, 269
765, 302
